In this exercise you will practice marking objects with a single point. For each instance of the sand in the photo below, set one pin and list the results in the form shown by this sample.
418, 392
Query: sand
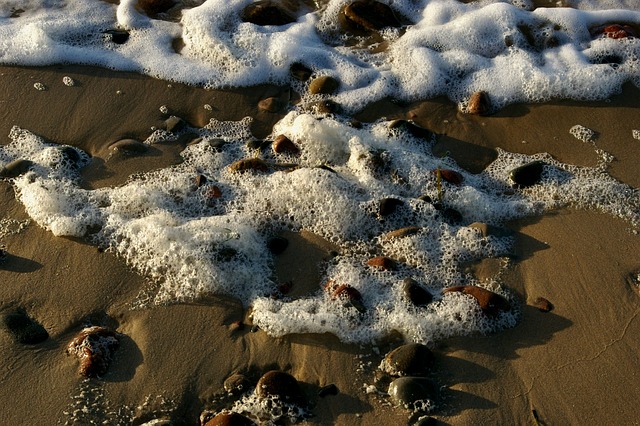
574, 365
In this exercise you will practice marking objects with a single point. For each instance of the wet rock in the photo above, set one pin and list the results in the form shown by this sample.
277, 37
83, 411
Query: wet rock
491, 303
413, 393
425, 421
23, 328
300, 71
401, 233
383, 263
249, 164
491, 230
452, 216
615, 31
94, 347
328, 390
236, 384
174, 124
411, 127
154, 7
479, 104
229, 419
272, 104
129, 146
415, 293
543, 304
266, 12
211, 194
255, 143
277, 245
324, 85
70, 154
371, 15
350, 295
412, 359
356, 124
283, 144
200, 180
15, 168
388, 206
117, 36
450, 176
527, 175
326, 106
280, 385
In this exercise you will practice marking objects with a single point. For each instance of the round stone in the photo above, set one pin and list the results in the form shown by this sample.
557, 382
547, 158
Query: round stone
229, 419
388, 206
277, 245
527, 175
413, 359
324, 85
415, 293
491, 303
414, 393
266, 12
280, 385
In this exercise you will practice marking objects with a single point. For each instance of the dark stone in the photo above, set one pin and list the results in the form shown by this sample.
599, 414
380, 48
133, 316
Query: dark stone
371, 15
266, 12
409, 392
388, 206
280, 385
118, 36
129, 146
327, 106
249, 164
15, 168
324, 85
452, 216
236, 384
425, 198
426, 421
350, 295
277, 245
70, 154
491, 230
328, 390
415, 293
154, 7
411, 127
543, 304
283, 144
174, 124
450, 176
254, 143
412, 359
479, 104
200, 180
229, 419
300, 71
356, 124
272, 104
490, 303
527, 175
94, 347
24, 329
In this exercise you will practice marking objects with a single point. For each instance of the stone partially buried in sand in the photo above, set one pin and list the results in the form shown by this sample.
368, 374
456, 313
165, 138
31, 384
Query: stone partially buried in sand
23, 328
413, 359
543, 304
15, 168
281, 385
491, 303
414, 393
371, 15
94, 347
129, 146
229, 419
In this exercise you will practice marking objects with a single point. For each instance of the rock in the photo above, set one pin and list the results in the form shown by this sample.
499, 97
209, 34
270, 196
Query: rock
324, 85
200, 180
388, 206
15, 168
129, 146
401, 233
249, 164
70, 154
280, 385
283, 144
479, 104
383, 263
415, 293
236, 384
414, 393
328, 390
450, 176
615, 31
272, 104
490, 302
543, 304
24, 329
351, 296
118, 36
277, 245
371, 15
527, 175
217, 144
490, 230
229, 419
411, 127
326, 106
452, 216
94, 347
425, 421
154, 7
300, 71
174, 124
266, 12
412, 359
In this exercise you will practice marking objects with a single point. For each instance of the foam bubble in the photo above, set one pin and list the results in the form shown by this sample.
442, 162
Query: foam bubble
582, 133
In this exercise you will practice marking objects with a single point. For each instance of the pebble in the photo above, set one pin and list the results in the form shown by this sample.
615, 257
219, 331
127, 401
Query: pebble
450, 176
326, 106
249, 164
425, 421
528, 174
300, 71
229, 419
217, 144
15, 168
324, 85
543, 304
200, 180
154, 7
479, 103
383, 263
491, 230
452, 216
401, 233
94, 347
283, 144
411, 127
174, 124
415, 293
328, 390
491, 303
271, 104
615, 31
409, 392
349, 294
70, 154
266, 12
24, 329
281, 385
129, 146
371, 15
413, 359
388, 206
277, 245
118, 36
236, 384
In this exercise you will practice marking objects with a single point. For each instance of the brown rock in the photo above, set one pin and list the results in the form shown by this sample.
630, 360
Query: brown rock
479, 104
412, 359
383, 263
401, 233
229, 419
300, 71
174, 124
283, 144
415, 293
94, 347
450, 176
324, 85
266, 12
490, 302
371, 15
346, 293
15, 168
236, 384
543, 304
280, 385
129, 146
249, 164
271, 104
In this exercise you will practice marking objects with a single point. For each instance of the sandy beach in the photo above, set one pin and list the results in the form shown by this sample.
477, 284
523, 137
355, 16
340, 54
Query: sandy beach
577, 364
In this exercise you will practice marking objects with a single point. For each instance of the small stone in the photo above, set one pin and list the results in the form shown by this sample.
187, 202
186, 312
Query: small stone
174, 124
487, 230
300, 71
266, 12
271, 104
452, 216
350, 295
201, 180
411, 127
356, 124
450, 176
24, 329
479, 104
425, 421
254, 143
211, 194
249, 164
217, 144
283, 144
388, 206
236, 384
94, 347
415, 293
413, 393
413, 359
616, 31
70, 154
229, 419
401, 233
280, 385
383, 263
277, 245
129, 146
328, 390
15, 168
327, 106
491, 303
371, 15
527, 175
324, 85
154, 7
118, 36
543, 304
